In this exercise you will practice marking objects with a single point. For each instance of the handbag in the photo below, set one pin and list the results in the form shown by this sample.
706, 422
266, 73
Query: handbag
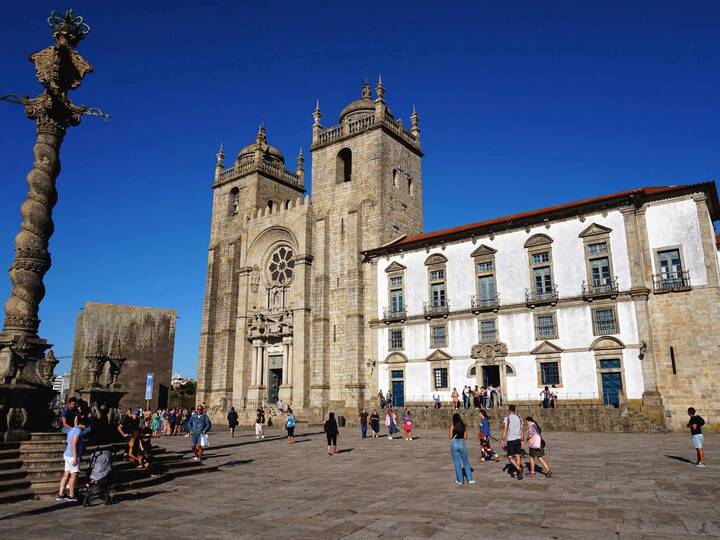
204, 440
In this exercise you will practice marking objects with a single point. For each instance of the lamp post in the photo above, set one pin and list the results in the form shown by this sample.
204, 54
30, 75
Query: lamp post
24, 391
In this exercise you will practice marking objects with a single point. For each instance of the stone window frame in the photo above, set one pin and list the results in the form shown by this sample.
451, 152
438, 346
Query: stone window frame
436, 262
484, 254
444, 325
396, 177
593, 311
656, 257
512, 368
545, 313
487, 317
234, 201
596, 234
394, 270
392, 329
609, 348
439, 360
434, 367
344, 157
536, 244
547, 359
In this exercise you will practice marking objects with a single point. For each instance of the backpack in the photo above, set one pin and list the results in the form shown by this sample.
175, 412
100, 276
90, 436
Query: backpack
291, 421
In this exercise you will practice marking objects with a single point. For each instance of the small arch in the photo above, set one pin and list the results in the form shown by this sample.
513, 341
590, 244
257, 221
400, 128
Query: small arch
471, 372
396, 178
287, 204
410, 186
509, 370
538, 240
435, 258
604, 343
270, 205
343, 166
234, 202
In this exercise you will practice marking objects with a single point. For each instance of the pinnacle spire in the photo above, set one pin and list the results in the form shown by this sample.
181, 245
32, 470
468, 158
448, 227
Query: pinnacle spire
380, 89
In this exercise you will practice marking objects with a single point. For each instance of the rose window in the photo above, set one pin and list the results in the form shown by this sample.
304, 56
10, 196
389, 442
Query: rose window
281, 265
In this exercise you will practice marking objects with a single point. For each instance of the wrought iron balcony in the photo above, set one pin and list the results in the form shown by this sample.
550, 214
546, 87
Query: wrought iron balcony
534, 298
394, 315
594, 290
436, 310
478, 305
671, 281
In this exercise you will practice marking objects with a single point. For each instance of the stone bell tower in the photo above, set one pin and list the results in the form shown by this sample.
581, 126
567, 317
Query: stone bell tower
367, 190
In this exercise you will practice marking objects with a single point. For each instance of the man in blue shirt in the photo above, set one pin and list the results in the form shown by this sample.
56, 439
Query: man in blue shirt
198, 425
71, 457
68, 415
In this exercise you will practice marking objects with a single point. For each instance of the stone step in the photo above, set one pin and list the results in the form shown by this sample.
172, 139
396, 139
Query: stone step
16, 495
14, 484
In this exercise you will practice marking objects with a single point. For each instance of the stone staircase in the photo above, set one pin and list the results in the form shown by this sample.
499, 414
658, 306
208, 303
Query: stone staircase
33, 469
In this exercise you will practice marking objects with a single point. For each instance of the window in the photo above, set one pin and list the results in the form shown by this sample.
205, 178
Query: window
600, 272
670, 265
610, 364
598, 247
396, 339
600, 280
396, 177
485, 266
234, 205
440, 376
488, 331
270, 205
287, 204
410, 186
604, 321
437, 287
545, 327
438, 336
437, 291
396, 281
549, 373
539, 258
343, 166
509, 370
672, 276
437, 275
543, 280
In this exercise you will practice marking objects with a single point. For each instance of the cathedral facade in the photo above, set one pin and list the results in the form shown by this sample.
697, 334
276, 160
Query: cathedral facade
288, 297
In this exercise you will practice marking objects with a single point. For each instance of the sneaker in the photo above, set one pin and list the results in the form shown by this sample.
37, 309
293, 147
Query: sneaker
701, 465
520, 474
60, 498
70, 499
458, 483
471, 482
195, 458
389, 438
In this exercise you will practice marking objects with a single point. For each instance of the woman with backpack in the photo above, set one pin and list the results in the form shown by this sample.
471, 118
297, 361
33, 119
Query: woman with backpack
536, 444
290, 425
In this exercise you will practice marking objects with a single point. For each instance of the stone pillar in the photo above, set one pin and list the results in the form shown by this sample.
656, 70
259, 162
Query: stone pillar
255, 391
707, 234
286, 387
285, 364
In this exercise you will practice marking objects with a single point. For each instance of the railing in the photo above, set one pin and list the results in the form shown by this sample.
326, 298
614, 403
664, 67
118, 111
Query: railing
484, 304
356, 126
567, 400
671, 281
390, 315
248, 165
436, 310
599, 290
535, 298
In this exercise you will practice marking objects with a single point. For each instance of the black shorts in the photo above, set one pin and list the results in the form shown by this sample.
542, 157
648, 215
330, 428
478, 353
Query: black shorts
291, 431
514, 447
331, 439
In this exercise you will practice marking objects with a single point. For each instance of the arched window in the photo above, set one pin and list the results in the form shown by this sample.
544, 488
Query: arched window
270, 205
410, 186
396, 178
343, 166
234, 205
287, 204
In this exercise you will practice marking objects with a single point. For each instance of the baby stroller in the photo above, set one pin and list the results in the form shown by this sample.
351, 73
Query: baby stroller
100, 478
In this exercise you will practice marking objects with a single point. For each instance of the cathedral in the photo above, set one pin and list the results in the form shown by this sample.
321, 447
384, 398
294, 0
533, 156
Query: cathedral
613, 301
287, 295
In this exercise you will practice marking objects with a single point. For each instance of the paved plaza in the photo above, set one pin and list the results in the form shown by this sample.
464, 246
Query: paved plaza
603, 486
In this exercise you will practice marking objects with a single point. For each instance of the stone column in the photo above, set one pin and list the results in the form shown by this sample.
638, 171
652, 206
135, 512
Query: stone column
286, 386
707, 235
285, 364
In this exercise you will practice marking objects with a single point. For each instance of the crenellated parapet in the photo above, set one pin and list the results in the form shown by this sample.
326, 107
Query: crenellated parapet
301, 205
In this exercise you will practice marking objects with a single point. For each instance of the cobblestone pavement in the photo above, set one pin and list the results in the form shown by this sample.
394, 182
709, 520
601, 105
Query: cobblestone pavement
603, 486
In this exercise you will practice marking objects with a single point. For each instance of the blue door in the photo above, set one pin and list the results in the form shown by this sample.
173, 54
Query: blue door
612, 388
398, 393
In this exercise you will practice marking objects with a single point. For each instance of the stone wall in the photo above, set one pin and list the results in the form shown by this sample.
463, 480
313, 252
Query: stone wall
147, 341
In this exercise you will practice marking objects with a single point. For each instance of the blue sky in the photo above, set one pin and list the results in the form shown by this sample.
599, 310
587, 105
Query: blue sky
522, 105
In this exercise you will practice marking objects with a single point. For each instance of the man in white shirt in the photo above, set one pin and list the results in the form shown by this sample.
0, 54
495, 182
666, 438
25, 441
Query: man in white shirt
511, 440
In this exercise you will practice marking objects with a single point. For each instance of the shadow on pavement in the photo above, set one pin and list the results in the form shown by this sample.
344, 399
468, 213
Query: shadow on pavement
680, 458
344, 450
236, 462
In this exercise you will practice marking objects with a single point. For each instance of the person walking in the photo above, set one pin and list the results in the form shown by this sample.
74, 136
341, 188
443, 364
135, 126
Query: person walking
391, 423
290, 425
536, 446
407, 424
232, 420
259, 423
511, 440
363, 420
375, 423
455, 398
331, 433
457, 433
486, 451
71, 457
199, 425
695, 424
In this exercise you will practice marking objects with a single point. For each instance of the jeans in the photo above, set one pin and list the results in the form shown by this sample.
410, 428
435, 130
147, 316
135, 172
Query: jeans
363, 430
488, 403
460, 460
466, 402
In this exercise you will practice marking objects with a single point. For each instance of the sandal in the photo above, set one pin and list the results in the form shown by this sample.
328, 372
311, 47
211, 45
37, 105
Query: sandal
548, 474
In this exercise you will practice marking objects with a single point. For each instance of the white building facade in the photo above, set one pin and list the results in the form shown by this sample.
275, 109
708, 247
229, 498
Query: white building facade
563, 296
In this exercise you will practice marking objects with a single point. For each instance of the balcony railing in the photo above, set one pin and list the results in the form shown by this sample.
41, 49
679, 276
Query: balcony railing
671, 281
599, 290
535, 298
394, 315
478, 305
436, 310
